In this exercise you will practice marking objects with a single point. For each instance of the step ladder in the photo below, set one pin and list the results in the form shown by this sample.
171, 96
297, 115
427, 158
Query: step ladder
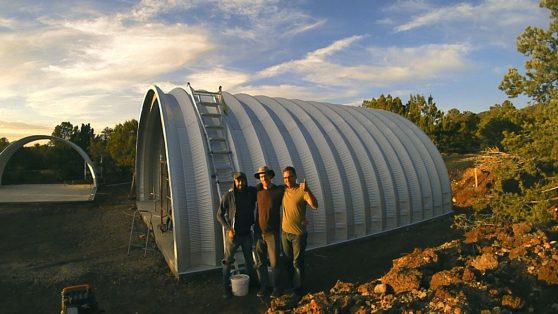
136, 216
211, 109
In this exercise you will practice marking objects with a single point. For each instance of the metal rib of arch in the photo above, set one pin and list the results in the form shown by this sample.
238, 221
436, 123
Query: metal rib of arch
11, 149
371, 170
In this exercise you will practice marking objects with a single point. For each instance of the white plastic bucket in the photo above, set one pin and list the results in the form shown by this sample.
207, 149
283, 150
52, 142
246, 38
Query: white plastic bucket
240, 284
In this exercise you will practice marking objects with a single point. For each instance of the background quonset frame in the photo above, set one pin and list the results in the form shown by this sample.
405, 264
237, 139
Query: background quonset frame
11, 149
371, 170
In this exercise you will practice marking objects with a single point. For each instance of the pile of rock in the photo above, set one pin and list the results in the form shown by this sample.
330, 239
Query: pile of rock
473, 185
492, 270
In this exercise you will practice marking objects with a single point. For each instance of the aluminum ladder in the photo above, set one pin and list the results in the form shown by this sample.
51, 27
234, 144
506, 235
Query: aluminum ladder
210, 108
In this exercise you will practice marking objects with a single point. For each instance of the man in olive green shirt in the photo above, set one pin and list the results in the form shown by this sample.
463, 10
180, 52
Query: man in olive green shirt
294, 235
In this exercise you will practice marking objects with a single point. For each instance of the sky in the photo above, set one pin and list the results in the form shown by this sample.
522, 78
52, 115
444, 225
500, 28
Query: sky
93, 61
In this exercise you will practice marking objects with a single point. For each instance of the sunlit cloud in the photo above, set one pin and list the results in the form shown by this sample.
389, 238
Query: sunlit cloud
147, 9
313, 62
16, 130
491, 13
408, 6
211, 80
386, 65
303, 28
81, 66
7, 23
448, 13
290, 92
131, 53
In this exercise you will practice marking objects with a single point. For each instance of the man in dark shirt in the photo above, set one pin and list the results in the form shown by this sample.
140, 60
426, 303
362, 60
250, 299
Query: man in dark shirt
236, 214
269, 198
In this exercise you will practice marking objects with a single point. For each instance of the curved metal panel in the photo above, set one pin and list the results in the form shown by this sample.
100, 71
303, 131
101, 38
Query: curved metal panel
344, 162
329, 175
442, 201
395, 194
365, 195
409, 171
376, 171
248, 147
422, 163
265, 129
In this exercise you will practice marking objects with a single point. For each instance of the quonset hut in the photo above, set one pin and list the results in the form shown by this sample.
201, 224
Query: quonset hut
371, 170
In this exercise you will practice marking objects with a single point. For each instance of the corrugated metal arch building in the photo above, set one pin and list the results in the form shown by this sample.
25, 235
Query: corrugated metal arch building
371, 170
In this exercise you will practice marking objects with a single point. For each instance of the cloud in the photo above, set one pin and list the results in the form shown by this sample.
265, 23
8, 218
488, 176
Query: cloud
90, 69
256, 20
407, 6
290, 92
313, 62
264, 24
382, 65
21, 125
435, 16
116, 54
305, 27
487, 14
16, 130
212, 79
147, 9
7, 23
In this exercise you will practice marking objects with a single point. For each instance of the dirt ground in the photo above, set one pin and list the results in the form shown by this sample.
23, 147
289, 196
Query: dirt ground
46, 247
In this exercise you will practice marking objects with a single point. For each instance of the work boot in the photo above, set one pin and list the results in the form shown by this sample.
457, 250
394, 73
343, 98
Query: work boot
276, 293
297, 294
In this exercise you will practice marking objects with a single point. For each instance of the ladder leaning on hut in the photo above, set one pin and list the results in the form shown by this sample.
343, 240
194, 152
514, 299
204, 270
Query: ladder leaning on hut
211, 109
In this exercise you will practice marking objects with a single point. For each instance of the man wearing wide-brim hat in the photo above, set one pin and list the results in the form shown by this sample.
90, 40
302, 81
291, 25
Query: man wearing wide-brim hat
267, 230
264, 170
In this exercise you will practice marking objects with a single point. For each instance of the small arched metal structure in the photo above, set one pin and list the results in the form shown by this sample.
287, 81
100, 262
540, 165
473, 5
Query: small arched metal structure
11, 149
371, 170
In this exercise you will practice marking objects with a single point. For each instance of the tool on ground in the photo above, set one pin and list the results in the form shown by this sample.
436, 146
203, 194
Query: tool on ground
78, 299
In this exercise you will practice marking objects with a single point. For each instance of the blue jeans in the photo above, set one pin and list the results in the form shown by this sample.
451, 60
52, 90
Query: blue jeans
294, 247
267, 248
231, 245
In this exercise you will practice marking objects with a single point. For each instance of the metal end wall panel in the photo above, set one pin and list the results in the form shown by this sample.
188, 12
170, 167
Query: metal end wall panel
371, 170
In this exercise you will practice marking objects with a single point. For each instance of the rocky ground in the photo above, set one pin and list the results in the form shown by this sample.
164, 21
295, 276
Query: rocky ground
511, 269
